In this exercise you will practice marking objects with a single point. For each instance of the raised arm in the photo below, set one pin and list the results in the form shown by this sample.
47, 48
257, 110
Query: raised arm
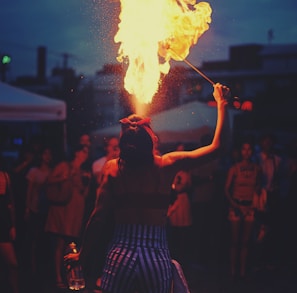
219, 94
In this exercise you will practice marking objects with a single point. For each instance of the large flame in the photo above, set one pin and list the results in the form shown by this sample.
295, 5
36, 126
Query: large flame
151, 33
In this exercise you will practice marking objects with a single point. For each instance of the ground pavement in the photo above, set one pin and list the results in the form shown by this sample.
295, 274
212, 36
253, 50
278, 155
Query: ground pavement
201, 280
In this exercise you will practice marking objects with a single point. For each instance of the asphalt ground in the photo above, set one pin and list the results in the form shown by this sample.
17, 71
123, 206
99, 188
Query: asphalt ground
281, 279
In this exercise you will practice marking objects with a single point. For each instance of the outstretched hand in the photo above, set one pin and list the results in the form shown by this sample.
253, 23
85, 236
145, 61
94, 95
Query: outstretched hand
220, 93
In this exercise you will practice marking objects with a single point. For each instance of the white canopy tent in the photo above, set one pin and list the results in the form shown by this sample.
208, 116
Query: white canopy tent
24, 114
19, 105
186, 123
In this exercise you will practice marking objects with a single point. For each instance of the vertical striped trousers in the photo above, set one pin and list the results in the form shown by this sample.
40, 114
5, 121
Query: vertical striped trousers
138, 261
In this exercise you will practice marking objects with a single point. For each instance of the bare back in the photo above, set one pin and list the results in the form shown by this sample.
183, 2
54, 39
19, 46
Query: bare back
138, 195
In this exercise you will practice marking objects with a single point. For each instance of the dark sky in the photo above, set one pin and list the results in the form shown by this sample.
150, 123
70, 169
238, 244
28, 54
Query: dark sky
84, 29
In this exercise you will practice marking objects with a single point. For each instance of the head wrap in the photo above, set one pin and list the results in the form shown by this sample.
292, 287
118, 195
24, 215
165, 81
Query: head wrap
132, 123
126, 122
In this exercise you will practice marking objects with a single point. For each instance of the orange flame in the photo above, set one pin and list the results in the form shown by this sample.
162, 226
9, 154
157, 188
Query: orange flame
151, 33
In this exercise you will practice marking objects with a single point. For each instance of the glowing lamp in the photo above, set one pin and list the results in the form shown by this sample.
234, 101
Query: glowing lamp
236, 104
247, 106
6, 59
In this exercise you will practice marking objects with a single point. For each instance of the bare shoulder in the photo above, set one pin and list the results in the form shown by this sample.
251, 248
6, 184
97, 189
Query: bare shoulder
110, 167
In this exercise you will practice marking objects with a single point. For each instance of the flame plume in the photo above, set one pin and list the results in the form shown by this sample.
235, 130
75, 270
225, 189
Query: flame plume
151, 33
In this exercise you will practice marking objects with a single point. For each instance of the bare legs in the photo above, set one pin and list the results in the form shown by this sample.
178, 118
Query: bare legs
234, 246
240, 240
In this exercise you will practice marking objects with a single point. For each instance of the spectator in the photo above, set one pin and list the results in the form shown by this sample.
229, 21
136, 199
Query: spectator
243, 181
85, 140
180, 147
26, 160
180, 218
65, 222
271, 164
36, 212
8, 255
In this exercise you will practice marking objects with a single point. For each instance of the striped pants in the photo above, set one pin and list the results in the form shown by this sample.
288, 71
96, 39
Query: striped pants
138, 261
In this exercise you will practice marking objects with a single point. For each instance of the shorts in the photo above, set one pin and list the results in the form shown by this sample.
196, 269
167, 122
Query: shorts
138, 260
245, 214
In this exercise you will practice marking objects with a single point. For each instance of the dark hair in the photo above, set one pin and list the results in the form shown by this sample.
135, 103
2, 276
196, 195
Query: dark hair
136, 141
40, 154
76, 148
106, 140
247, 140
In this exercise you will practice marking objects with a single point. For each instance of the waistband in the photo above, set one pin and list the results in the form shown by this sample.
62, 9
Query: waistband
140, 235
243, 202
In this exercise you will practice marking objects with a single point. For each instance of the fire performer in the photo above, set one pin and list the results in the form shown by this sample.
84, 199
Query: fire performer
135, 195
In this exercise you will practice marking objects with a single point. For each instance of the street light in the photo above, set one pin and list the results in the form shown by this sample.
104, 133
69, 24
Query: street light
5, 61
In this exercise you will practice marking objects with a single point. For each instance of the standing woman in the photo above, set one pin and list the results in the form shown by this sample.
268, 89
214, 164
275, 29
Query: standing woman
135, 195
243, 181
64, 222
37, 208
7, 230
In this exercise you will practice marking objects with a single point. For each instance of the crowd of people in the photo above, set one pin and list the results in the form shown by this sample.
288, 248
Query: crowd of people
132, 210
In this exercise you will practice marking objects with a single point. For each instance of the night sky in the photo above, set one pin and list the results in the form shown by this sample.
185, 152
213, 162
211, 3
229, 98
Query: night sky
84, 30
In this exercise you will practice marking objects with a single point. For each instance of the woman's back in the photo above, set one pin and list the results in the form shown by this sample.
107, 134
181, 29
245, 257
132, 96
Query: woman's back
138, 195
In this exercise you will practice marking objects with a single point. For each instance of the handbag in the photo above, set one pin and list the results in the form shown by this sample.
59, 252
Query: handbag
59, 193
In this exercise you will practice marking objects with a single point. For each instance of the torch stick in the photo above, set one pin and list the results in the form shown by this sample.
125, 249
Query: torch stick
198, 71
203, 75
193, 67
